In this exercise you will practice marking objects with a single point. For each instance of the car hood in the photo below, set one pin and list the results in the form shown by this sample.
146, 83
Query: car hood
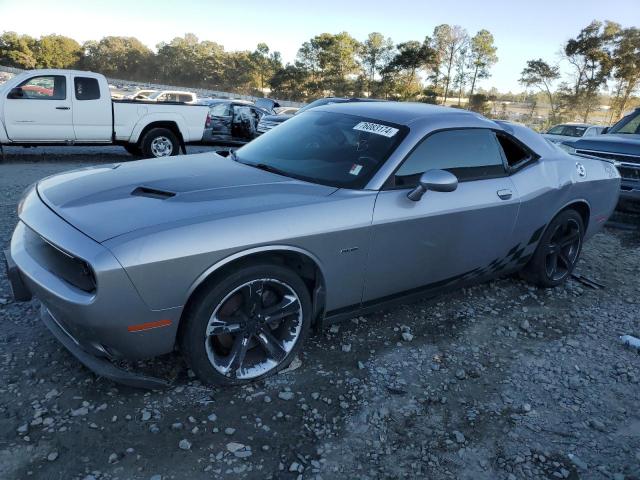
276, 118
560, 138
107, 201
610, 142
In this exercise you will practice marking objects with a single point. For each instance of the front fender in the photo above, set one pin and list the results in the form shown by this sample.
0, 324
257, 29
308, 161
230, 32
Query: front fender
247, 253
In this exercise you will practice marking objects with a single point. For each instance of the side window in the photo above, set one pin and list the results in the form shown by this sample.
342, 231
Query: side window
514, 154
220, 110
162, 98
86, 88
470, 154
49, 87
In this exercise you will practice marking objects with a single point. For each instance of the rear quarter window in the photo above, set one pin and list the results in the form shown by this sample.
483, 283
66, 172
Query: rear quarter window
86, 88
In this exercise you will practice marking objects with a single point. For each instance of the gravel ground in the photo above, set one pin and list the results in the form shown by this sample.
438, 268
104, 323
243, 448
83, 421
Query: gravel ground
499, 381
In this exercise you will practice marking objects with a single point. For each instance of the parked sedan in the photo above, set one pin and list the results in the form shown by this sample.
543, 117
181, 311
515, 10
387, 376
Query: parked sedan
269, 121
338, 212
572, 131
232, 122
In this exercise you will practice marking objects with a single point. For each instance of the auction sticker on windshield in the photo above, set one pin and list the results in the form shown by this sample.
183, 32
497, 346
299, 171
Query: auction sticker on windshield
376, 128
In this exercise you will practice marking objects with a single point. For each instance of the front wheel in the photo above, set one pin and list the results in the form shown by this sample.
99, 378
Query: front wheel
247, 326
160, 142
558, 251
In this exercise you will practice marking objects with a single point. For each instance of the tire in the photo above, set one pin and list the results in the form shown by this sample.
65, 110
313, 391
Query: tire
160, 142
133, 149
558, 252
235, 331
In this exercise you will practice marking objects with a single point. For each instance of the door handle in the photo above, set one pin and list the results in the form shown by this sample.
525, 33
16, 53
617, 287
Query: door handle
505, 194
63, 108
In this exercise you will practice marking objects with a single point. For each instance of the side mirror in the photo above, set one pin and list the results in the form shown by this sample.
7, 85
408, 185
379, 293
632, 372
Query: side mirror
15, 93
604, 130
436, 180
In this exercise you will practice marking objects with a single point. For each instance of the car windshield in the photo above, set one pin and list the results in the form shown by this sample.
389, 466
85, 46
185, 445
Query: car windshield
325, 147
629, 124
568, 130
319, 103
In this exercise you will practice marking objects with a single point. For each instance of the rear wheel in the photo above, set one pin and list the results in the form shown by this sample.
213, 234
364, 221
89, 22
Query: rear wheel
247, 326
557, 254
160, 142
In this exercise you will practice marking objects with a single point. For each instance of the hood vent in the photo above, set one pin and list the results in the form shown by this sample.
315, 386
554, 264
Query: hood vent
152, 193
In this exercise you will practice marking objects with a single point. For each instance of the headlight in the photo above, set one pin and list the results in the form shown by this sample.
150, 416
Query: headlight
24, 196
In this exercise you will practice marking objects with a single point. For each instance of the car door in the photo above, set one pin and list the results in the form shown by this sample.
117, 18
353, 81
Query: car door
445, 236
91, 111
221, 115
40, 111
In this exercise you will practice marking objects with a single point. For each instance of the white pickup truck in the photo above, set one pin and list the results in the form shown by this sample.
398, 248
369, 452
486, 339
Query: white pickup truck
67, 107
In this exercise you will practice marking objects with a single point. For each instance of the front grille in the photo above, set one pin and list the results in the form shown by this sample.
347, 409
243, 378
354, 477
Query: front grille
629, 173
60, 263
610, 156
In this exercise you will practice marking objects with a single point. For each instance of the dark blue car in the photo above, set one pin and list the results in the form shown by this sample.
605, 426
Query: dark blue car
621, 144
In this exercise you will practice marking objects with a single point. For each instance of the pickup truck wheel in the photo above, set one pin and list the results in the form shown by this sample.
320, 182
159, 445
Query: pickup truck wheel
160, 142
133, 149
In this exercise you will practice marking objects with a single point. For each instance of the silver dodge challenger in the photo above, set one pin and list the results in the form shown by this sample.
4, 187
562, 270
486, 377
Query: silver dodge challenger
337, 212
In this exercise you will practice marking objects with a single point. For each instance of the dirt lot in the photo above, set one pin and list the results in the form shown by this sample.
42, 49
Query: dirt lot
499, 381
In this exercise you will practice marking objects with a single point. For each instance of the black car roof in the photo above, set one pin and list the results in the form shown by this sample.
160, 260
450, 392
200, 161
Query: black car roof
401, 113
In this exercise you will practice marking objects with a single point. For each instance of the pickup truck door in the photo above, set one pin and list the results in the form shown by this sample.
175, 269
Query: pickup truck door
92, 120
40, 111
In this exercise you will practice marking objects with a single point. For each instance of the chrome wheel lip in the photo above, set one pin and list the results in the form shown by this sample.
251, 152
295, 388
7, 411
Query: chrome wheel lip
161, 147
243, 372
565, 253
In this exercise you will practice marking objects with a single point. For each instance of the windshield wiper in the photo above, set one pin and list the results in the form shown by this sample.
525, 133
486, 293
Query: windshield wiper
269, 168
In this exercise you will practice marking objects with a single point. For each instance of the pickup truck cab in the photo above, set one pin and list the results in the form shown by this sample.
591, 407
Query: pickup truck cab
621, 145
68, 107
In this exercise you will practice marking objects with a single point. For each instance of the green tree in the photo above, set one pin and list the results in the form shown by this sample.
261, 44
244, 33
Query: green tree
185, 60
589, 55
57, 51
120, 57
17, 50
375, 55
541, 75
290, 82
448, 43
411, 58
482, 57
626, 65
331, 62
266, 64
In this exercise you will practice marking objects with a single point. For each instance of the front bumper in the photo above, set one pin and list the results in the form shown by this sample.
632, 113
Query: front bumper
102, 324
100, 365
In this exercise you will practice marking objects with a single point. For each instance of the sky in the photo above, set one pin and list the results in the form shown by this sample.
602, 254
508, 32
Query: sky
523, 30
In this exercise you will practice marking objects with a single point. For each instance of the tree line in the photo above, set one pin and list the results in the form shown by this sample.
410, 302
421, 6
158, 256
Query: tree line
441, 66
444, 67
602, 52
